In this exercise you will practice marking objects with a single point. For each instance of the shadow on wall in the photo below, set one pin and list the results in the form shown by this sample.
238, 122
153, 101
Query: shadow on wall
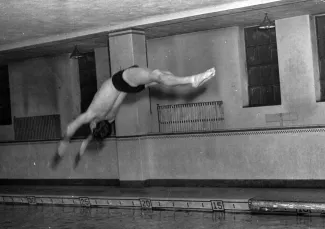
303, 107
95, 146
187, 94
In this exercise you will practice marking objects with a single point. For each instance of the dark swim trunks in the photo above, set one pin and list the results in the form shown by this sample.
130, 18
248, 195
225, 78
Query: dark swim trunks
120, 84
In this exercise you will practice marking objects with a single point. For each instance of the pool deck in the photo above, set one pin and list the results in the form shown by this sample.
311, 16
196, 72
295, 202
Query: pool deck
245, 200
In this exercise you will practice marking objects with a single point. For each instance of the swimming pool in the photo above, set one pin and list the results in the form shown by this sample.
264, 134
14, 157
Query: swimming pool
51, 217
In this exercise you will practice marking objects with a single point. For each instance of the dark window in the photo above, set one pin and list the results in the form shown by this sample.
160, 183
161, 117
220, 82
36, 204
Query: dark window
5, 105
320, 29
88, 88
262, 67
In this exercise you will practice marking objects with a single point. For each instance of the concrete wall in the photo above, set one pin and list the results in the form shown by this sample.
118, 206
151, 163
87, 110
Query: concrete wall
275, 154
225, 50
278, 154
281, 154
298, 67
288, 154
127, 49
103, 70
43, 86
31, 161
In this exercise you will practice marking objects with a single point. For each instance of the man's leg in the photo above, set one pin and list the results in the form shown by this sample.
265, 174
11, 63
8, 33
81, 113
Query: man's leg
85, 143
110, 117
144, 76
112, 113
70, 131
97, 110
83, 147
169, 79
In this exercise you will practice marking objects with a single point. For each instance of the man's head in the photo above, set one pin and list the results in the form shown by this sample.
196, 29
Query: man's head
102, 130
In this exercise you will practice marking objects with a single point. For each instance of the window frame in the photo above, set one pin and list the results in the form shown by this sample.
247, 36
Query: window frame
5, 105
273, 65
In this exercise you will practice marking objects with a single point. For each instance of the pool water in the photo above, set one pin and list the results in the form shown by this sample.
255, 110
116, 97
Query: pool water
50, 217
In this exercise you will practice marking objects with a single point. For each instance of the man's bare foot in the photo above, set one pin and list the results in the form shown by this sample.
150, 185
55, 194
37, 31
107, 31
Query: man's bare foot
76, 160
55, 161
57, 158
63, 145
200, 79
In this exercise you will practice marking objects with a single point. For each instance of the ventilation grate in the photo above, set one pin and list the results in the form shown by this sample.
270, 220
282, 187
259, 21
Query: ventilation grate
203, 116
45, 127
